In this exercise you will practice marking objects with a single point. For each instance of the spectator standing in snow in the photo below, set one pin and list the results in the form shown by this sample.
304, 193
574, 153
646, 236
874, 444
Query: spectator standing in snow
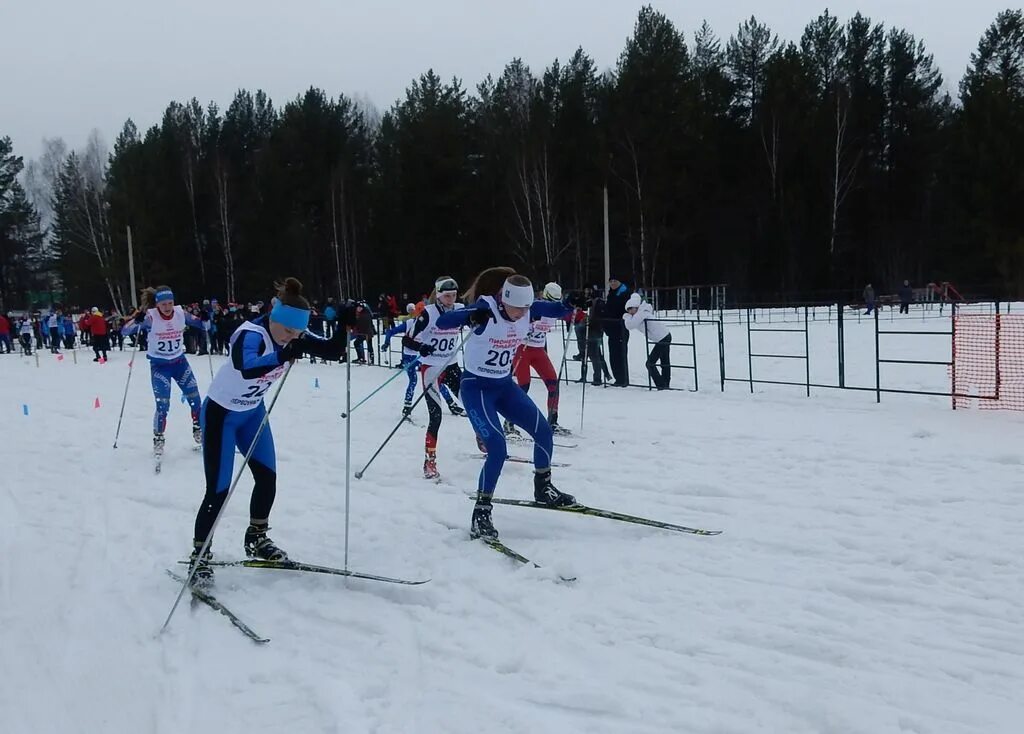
5, 334
640, 316
618, 339
869, 299
906, 297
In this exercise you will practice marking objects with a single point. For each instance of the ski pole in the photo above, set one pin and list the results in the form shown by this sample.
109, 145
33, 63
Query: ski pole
124, 400
455, 354
408, 368
586, 355
209, 349
231, 489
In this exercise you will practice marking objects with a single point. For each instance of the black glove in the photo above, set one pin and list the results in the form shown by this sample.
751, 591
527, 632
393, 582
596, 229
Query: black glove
426, 350
140, 317
292, 350
480, 316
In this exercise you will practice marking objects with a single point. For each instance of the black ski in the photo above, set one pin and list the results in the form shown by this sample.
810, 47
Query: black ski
504, 550
311, 568
522, 460
211, 601
607, 514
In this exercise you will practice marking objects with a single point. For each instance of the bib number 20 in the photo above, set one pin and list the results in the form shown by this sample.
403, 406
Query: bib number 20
498, 359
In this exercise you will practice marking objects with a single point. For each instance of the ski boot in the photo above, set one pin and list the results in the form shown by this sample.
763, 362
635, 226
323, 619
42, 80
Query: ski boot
556, 429
430, 465
456, 409
203, 576
480, 526
547, 493
258, 545
406, 410
511, 431
197, 432
158, 445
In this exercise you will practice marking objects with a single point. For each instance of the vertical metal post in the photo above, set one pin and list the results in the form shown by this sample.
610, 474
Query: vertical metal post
807, 352
952, 359
721, 354
607, 246
131, 269
693, 341
878, 365
348, 444
750, 359
842, 344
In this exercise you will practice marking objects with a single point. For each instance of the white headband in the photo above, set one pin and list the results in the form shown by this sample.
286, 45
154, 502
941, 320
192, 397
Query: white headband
520, 296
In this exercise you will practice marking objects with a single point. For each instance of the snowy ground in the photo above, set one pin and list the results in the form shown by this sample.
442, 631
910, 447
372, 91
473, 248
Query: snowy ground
867, 579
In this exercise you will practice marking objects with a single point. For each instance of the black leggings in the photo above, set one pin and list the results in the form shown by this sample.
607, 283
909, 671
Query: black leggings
452, 379
265, 479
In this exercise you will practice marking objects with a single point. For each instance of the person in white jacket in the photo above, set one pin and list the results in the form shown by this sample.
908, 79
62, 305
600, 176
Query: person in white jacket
640, 316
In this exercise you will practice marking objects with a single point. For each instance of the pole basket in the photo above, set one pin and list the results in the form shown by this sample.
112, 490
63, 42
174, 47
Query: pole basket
988, 361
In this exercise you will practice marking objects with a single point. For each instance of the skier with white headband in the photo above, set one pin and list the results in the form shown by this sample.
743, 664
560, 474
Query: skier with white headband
504, 305
436, 346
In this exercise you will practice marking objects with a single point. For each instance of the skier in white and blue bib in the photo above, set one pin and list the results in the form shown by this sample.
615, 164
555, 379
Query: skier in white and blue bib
501, 319
233, 411
165, 322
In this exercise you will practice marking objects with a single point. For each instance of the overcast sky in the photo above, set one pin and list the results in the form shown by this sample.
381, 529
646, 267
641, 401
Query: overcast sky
69, 66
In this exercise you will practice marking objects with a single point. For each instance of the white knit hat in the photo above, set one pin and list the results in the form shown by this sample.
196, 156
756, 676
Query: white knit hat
634, 301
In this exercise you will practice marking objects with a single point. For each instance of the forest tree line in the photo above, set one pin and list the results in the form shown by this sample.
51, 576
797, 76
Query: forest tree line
806, 168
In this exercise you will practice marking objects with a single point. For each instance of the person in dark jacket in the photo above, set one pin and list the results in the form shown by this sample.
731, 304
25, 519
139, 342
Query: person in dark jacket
364, 333
869, 299
593, 351
906, 297
618, 294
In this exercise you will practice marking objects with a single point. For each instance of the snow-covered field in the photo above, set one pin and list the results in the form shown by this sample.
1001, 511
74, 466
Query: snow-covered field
867, 579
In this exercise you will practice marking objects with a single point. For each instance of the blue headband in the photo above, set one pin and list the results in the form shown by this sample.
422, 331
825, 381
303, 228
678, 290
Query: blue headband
164, 296
290, 316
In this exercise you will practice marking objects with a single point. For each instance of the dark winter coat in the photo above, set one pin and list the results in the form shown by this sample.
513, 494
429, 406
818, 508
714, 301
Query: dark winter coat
616, 305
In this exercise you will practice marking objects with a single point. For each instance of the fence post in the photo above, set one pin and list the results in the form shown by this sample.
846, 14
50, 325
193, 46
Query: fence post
952, 367
842, 344
807, 351
878, 364
721, 354
750, 359
693, 341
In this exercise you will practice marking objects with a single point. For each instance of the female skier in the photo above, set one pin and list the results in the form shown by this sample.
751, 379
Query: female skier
410, 356
233, 412
436, 346
165, 351
501, 319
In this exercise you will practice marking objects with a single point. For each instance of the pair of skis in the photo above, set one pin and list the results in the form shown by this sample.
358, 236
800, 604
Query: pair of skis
579, 509
204, 596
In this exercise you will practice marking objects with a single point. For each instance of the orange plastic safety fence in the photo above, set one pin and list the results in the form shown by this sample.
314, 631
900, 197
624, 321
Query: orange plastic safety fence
988, 361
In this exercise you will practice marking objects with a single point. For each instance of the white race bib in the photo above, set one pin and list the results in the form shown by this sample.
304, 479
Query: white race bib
490, 354
166, 336
234, 392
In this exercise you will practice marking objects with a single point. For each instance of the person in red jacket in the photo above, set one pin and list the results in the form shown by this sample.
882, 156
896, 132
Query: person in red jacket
83, 326
98, 330
5, 335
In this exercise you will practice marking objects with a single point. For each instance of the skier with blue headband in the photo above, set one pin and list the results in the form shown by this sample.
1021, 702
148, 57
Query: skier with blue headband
258, 354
